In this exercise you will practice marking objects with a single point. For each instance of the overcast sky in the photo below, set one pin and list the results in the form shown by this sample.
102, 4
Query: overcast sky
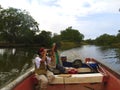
91, 17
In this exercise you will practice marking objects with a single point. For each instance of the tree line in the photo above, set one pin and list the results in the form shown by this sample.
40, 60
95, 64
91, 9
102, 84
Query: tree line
106, 40
19, 27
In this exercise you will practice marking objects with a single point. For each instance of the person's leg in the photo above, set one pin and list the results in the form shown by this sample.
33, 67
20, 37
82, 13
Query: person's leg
50, 76
43, 81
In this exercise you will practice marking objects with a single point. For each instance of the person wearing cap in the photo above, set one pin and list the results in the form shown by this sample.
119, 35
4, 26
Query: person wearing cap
41, 71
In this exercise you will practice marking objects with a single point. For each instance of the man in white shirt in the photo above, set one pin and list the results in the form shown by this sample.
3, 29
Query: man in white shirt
41, 71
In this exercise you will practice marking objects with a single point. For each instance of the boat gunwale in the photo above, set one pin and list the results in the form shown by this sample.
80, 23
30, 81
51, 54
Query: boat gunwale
15, 82
108, 69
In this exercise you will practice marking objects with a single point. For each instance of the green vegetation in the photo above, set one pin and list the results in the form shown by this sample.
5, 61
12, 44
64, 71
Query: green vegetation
106, 40
71, 35
69, 45
69, 38
18, 28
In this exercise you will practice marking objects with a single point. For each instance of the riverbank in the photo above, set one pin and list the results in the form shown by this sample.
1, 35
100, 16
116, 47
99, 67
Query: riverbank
62, 46
69, 45
117, 45
11, 45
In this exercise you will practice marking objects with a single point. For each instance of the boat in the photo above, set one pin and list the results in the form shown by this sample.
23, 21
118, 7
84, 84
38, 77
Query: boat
89, 75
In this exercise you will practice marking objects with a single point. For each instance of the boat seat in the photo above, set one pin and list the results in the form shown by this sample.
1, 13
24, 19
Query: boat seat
77, 78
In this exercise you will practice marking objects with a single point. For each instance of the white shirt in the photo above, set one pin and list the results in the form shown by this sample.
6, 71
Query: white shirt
38, 60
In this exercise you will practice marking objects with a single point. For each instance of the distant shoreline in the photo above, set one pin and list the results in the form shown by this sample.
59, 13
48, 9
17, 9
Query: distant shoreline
63, 46
6, 45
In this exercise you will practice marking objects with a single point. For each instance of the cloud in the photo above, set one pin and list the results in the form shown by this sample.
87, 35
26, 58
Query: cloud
83, 15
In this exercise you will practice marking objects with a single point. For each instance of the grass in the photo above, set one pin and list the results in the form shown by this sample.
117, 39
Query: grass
69, 45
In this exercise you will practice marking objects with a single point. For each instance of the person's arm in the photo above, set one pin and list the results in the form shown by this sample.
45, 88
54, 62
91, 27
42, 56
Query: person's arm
44, 56
52, 58
53, 48
53, 52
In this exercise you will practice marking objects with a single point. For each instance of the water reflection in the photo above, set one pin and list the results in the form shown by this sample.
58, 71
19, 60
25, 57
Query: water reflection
13, 62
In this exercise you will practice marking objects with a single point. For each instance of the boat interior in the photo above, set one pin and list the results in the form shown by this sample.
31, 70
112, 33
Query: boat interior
76, 76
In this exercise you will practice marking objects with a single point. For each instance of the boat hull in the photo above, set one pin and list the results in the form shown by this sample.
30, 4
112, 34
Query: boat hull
110, 81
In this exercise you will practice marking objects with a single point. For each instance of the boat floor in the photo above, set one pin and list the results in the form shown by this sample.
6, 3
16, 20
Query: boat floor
88, 86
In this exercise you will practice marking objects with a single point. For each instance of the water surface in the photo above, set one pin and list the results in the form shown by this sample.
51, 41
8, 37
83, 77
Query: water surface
109, 56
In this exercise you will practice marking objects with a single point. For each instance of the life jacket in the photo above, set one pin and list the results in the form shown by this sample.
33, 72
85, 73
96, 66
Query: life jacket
42, 69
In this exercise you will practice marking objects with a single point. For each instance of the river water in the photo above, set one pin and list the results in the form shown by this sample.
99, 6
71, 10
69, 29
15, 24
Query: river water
108, 56
15, 61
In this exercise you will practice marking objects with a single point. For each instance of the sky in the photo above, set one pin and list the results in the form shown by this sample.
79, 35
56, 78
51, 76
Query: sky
91, 17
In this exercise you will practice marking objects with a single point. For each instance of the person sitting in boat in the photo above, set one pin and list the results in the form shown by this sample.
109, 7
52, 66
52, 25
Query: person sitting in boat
41, 71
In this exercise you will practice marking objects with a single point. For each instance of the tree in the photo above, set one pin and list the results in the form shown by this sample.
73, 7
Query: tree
0, 7
71, 35
105, 39
57, 39
89, 41
17, 26
44, 38
118, 36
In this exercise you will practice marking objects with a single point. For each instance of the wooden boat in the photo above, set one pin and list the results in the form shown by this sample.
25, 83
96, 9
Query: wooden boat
92, 76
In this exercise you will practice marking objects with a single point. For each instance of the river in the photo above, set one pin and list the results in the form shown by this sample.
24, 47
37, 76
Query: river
109, 56
15, 61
